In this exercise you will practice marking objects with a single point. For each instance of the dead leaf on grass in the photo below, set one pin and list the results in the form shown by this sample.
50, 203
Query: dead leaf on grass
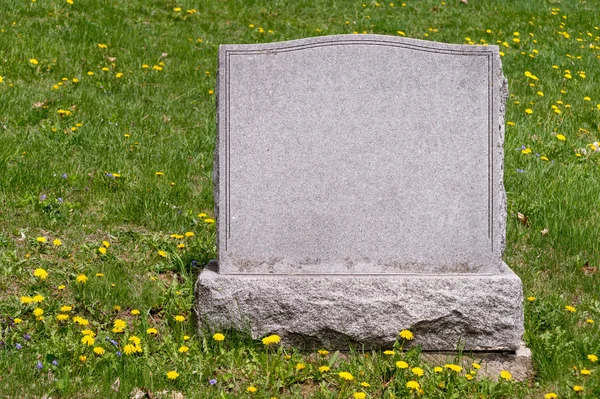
522, 218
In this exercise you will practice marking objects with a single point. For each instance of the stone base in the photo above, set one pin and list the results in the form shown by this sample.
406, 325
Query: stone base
471, 312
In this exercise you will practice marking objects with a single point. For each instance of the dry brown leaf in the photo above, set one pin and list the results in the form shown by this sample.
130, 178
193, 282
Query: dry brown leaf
522, 218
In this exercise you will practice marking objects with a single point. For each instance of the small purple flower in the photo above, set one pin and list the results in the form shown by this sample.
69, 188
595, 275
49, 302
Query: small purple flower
115, 343
26, 337
55, 362
60, 200
42, 197
119, 353
520, 171
64, 176
212, 382
109, 175
194, 263
39, 365
18, 346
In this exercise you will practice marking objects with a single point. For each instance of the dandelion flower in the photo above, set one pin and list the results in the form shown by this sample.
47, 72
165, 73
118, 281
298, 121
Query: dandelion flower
90, 73
102, 250
69, 1
37, 312
183, 349
82, 358
300, 366
26, 299
62, 317
33, 61
407, 335
271, 339
40, 273
529, 111
179, 318
476, 366
359, 395
550, 395
129, 349
162, 254
413, 385
219, 337
453, 367
389, 353
172, 375
323, 352
17, 320
505, 375
401, 364
251, 389
585, 372
417, 371
592, 358
323, 369
209, 221
152, 331
570, 309
38, 298
88, 340
365, 384
82, 278
41, 240
119, 325
589, 321
578, 388
346, 375
189, 234
57, 242
561, 137
438, 369
89, 332
135, 340
119, 75
99, 351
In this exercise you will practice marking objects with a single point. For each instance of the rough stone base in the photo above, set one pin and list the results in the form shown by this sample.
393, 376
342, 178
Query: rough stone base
472, 312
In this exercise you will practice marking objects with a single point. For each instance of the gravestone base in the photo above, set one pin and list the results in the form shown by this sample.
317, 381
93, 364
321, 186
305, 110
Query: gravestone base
445, 312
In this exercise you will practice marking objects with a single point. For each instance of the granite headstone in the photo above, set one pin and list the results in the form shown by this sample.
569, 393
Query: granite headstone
358, 192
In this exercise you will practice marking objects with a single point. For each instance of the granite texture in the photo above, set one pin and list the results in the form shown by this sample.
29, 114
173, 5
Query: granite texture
474, 311
360, 154
358, 192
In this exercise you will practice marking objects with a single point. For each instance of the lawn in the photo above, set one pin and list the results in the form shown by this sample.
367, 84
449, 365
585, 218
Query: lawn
107, 126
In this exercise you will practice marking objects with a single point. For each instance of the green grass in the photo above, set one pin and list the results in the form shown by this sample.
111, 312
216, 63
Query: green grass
59, 183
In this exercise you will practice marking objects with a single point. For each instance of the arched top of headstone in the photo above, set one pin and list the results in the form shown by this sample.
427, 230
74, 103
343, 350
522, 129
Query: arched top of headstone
360, 154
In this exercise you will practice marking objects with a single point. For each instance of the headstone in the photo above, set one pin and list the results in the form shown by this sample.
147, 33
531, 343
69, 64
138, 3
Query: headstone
358, 192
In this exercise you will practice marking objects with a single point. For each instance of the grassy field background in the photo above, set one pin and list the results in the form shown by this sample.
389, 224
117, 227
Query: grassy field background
107, 126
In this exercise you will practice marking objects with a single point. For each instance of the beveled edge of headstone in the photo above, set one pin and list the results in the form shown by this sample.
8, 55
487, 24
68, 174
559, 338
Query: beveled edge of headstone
500, 94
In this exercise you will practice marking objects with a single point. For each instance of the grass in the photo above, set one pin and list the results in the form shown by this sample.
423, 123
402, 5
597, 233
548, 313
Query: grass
129, 164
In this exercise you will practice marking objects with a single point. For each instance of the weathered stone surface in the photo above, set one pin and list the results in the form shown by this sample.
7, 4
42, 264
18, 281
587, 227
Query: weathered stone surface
477, 312
358, 192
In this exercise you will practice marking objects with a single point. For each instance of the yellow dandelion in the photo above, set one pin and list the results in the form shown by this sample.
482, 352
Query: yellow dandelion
129, 349
189, 234
82, 278
88, 332
592, 358
102, 250
365, 384
219, 337
323, 352
578, 388
505, 375
38, 298
99, 351
389, 353
417, 371
359, 395
550, 395
401, 364
454, 367
135, 340
119, 75
585, 372
209, 221
62, 317
82, 358
323, 369
41, 240
300, 366
57, 242
152, 331
570, 309
33, 61
162, 254
438, 369
88, 340
529, 111
172, 375
90, 73
406, 334
37, 312
271, 339
17, 320
26, 299
346, 375
561, 137
183, 349
179, 318
413, 385
41, 274
135, 312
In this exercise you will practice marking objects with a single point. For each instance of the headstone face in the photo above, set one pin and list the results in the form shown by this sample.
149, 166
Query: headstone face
358, 192
360, 154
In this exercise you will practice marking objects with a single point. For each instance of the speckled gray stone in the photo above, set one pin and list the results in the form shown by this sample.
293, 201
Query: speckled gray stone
358, 191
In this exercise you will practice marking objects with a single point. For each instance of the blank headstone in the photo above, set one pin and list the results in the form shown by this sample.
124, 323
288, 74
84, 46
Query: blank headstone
358, 192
